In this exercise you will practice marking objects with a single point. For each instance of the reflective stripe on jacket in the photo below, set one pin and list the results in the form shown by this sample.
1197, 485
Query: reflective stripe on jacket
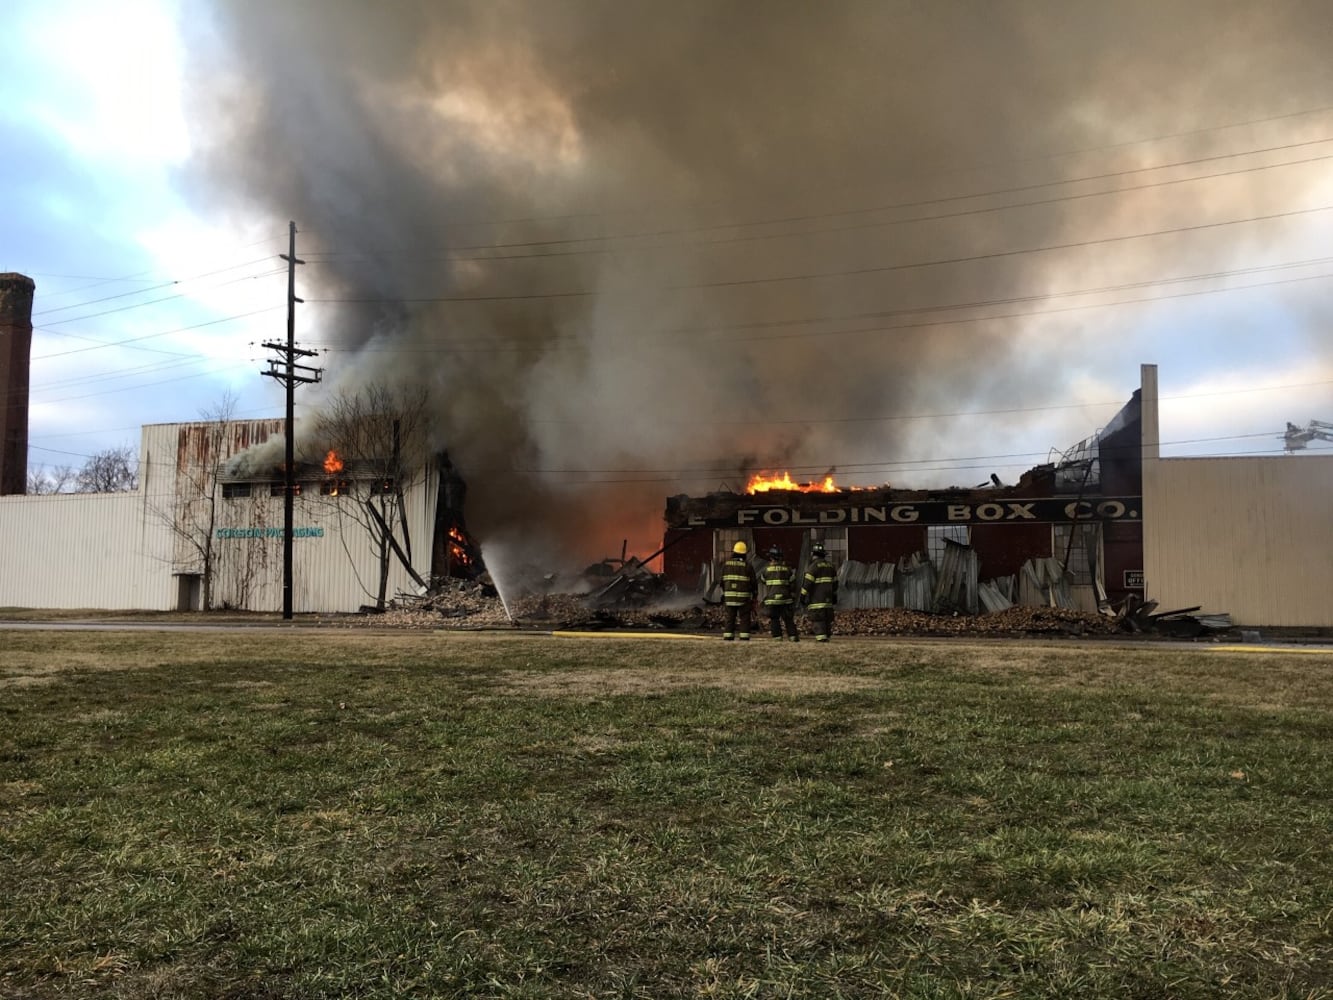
738, 584
820, 589
780, 581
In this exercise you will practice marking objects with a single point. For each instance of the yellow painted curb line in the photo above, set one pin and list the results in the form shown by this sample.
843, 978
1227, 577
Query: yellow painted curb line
630, 635
1325, 650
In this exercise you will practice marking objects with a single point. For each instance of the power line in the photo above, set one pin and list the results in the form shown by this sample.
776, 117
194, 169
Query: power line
814, 421
161, 282
159, 301
954, 464
459, 347
458, 252
853, 272
120, 374
999, 254
150, 336
903, 417
927, 171
147, 385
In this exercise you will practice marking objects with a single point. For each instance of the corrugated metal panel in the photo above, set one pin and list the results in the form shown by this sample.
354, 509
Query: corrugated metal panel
956, 584
121, 550
335, 565
916, 582
1043, 583
95, 550
866, 585
1247, 536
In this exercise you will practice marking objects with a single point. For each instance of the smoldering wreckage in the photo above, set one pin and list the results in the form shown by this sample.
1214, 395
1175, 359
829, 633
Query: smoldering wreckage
553, 370
916, 594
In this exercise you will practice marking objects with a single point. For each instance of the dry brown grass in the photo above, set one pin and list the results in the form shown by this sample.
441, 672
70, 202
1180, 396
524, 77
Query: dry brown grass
324, 813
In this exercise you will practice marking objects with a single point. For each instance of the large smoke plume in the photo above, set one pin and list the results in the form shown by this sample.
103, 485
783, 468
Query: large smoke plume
638, 248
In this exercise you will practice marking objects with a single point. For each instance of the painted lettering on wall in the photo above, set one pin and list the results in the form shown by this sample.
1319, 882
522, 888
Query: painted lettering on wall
1045, 510
268, 533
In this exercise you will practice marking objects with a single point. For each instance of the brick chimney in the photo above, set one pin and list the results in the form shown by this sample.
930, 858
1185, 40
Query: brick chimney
15, 351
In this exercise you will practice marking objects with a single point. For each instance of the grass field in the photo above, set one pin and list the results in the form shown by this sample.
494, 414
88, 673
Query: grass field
313, 813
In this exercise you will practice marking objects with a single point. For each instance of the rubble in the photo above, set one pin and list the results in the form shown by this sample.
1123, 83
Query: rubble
464, 607
622, 593
1182, 623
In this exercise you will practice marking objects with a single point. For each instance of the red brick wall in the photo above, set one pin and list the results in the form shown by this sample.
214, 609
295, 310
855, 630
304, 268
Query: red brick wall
16, 291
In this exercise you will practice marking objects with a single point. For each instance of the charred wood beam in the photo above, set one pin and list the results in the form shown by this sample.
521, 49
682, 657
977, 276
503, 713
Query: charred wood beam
393, 542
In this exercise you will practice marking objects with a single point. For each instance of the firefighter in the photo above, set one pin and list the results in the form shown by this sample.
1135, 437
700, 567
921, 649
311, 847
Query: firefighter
819, 592
780, 595
738, 591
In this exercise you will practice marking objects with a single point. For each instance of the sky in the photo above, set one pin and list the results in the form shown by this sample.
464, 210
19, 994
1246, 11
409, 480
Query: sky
636, 249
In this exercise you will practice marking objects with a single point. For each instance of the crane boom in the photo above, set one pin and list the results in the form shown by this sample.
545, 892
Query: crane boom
1296, 438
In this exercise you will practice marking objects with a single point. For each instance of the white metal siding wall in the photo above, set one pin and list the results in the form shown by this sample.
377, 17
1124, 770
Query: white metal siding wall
116, 550
333, 570
335, 567
91, 550
1252, 537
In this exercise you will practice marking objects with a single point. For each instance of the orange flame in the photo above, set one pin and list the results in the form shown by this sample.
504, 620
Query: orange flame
458, 547
332, 463
762, 482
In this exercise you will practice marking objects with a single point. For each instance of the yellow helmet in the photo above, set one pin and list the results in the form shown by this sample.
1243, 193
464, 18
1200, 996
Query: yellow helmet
739, 549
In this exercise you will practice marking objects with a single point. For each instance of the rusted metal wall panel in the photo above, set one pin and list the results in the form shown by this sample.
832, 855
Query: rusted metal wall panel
1246, 536
122, 550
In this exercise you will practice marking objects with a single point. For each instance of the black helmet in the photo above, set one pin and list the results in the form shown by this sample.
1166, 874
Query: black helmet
775, 553
817, 549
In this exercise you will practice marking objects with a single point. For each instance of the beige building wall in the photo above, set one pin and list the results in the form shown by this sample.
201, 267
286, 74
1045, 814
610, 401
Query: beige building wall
123, 551
84, 550
335, 565
1252, 537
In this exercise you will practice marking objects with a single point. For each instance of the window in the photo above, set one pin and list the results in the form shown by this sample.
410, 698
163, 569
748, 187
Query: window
277, 489
835, 543
725, 538
938, 534
232, 491
335, 488
382, 486
1082, 542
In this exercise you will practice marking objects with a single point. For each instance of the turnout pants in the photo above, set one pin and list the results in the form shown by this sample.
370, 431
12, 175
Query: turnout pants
821, 623
780, 615
738, 615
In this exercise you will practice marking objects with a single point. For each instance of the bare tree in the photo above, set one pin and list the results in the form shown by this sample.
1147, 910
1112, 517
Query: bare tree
59, 479
194, 516
379, 435
114, 470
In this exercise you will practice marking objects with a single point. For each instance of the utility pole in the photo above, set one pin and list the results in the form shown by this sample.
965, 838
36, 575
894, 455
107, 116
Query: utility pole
285, 369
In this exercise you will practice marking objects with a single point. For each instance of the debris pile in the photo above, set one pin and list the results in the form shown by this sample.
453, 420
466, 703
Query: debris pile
623, 594
1182, 623
462, 607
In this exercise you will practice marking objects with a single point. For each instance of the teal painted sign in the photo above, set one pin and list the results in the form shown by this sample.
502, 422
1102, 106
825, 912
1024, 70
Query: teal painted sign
269, 533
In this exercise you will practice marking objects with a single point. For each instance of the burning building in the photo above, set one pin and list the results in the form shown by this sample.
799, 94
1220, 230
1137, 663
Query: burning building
1245, 535
1084, 512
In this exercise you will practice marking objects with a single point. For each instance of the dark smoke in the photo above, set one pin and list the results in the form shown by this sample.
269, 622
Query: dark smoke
615, 184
